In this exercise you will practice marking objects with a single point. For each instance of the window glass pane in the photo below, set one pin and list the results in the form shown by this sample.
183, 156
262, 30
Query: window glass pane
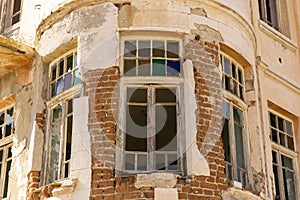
68, 81
56, 127
144, 68
9, 115
226, 141
61, 67
130, 67
240, 76
274, 157
2, 118
225, 109
59, 85
287, 162
237, 115
130, 48
275, 171
137, 95
165, 95
75, 59
158, 49
238, 131
274, 135
280, 124
53, 73
289, 128
241, 92
227, 66
172, 49
1, 156
1, 132
17, 6
69, 63
8, 166
69, 138
158, 67
172, 162
70, 106
166, 128
289, 185
282, 138
160, 162
15, 19
8, 129
227, 83
136, 128
173, 67
273, 120
144, 48
142, 162
234, 87
53, 90
129, 161
290, 141
233, 67
77, 77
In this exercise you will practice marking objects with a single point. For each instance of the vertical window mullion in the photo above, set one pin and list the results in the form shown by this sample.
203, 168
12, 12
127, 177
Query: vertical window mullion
151, 129
232, 144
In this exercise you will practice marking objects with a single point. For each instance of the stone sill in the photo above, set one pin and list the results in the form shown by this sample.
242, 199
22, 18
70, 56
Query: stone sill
59, 187
161, 180
237, 193
278, 36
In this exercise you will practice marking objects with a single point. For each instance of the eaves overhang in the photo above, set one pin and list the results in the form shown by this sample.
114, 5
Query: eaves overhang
14, 56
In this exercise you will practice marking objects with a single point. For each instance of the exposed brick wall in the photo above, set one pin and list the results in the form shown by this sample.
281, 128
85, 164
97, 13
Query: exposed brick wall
32, 184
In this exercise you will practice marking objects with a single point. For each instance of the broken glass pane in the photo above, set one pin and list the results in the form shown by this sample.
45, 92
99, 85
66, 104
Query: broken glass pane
8, 129
69, 63
8, 166
226, 141
130, 48
158, 67
130, 67
165, 128
158, 49
172, 49
173, 67
165, 95
77, 77
233, 70
225, 109
129, 161
144, 49
142, 162
275, 171
68, 81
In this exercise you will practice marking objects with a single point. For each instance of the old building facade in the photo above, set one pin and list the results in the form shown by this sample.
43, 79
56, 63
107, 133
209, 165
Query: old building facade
149, 99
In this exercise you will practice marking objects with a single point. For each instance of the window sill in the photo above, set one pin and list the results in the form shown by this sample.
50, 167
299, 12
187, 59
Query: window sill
237, 193
161, 180
278, 36
284, 149
60, 187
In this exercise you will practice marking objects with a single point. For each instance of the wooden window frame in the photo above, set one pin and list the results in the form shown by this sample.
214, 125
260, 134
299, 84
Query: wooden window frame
155, 81
5, 144
287, 152
233, 80
60, 100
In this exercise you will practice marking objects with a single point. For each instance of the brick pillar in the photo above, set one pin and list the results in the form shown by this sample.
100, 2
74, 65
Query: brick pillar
33, 183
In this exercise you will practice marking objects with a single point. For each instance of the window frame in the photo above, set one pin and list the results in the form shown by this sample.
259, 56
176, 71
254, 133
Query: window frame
234, 100
285, 151
5, 144
61, 99
7, 17
138, 81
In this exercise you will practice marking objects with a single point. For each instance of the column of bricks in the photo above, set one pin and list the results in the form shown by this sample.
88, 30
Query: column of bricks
208, 93
33, 184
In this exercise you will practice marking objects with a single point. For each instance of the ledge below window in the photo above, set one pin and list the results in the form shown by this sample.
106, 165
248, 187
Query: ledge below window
162, 180
60, 187
237, 193
278, 36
